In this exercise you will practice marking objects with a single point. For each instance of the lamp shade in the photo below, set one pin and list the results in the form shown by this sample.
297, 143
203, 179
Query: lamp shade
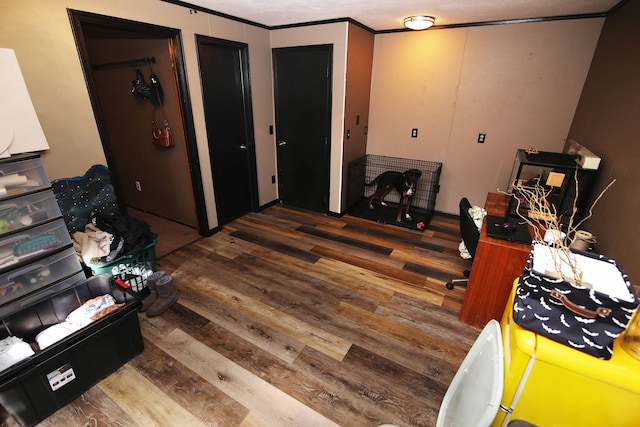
419, 22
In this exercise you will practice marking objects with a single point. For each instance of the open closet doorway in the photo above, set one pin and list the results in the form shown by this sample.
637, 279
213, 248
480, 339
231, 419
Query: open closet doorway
164, 181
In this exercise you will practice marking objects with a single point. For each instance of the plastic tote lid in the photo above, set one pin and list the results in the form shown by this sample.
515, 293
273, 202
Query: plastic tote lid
473, 398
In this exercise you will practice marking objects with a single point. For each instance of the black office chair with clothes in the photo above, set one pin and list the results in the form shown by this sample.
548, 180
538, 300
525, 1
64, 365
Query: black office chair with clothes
470, 237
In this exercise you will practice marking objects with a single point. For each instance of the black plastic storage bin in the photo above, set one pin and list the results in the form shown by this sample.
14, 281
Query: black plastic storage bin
36, 387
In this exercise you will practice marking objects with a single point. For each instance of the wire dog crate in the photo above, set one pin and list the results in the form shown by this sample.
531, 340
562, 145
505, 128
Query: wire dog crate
366, 168
426, 189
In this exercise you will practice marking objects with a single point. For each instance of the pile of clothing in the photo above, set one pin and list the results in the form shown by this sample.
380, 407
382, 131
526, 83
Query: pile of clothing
108, 237
82, 316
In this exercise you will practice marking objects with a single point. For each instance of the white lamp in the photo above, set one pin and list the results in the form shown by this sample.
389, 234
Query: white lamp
20, 130
419, 22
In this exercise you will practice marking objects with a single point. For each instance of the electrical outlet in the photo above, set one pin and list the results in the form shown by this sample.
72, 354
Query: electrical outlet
481, 138
414, 133
138, 186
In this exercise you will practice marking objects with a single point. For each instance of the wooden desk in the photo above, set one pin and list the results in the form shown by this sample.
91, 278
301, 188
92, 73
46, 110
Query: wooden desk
496, 264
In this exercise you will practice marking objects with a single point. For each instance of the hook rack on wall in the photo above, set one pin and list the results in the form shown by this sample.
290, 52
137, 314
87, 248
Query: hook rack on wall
130, 62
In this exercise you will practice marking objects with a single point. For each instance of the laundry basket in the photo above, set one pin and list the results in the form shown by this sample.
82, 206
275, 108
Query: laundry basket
131, 269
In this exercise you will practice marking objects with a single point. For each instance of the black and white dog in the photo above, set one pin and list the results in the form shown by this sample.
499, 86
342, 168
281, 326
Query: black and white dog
403, 182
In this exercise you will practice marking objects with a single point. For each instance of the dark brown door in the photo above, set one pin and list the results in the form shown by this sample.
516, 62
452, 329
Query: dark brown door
227, 107
303, 125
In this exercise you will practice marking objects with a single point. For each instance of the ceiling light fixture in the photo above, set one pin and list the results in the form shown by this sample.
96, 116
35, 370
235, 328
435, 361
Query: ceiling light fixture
419, 22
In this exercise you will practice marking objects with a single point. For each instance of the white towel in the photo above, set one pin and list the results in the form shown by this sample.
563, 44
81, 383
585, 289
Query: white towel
55, 333
13, 350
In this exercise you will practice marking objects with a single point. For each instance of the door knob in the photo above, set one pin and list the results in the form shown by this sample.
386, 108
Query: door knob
242, 147
282, 143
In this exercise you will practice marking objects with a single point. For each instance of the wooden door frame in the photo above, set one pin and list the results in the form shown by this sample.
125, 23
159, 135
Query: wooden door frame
248, 113
79, 18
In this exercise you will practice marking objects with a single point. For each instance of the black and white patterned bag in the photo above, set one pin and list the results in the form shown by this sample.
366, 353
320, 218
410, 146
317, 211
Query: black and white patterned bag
589, 317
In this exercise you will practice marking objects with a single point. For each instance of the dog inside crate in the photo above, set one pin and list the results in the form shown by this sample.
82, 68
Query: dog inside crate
401, 192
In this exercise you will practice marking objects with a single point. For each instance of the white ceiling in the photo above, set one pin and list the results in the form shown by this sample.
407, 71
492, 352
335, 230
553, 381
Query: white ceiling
382, 15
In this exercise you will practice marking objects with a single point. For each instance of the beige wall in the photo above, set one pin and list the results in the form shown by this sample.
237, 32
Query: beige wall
607, 122
40, 33
517, 83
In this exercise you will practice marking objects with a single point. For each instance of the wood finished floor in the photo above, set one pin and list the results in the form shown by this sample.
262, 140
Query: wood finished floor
289, 318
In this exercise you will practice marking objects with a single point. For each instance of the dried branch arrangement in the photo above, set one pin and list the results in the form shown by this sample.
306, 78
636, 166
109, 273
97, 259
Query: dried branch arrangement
543, 219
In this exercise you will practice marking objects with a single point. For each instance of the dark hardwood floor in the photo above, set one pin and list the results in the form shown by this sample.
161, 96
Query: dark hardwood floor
290, 318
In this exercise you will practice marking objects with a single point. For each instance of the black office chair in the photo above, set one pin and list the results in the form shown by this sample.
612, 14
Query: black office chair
470, 236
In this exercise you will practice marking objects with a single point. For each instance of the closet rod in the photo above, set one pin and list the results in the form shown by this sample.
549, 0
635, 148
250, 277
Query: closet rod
129, 62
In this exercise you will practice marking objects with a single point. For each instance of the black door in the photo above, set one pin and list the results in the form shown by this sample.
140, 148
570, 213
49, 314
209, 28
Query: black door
303, 124
227, 107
